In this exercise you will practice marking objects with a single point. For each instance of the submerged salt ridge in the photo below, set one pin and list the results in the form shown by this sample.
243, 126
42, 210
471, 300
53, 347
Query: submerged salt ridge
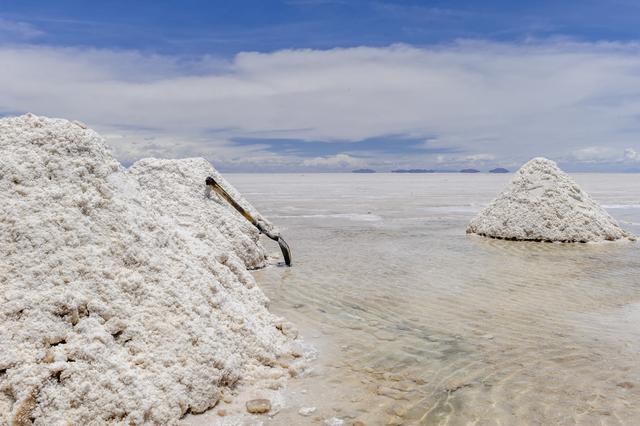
542, 203
124, 293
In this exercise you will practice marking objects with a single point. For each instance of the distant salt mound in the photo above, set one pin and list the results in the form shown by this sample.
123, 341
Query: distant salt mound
542, 203
124, 294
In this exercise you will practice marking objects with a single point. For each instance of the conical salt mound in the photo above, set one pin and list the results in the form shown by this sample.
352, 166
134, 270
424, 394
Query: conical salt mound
542, 203
124, 293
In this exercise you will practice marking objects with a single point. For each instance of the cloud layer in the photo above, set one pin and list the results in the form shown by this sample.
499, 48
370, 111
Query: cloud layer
470, 102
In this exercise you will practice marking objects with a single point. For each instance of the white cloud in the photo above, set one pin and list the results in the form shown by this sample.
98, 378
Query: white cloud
479, 158
340, 161
596, 154
603, 156
514, 100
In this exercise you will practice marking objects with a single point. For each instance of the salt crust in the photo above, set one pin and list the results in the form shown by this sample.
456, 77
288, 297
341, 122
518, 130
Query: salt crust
542, 203
124, 294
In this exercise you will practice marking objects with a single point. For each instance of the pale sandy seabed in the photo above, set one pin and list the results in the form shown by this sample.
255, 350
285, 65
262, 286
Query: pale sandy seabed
418, 323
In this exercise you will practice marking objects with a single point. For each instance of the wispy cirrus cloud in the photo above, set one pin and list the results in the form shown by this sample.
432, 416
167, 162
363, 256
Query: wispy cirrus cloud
18, 30
464, 103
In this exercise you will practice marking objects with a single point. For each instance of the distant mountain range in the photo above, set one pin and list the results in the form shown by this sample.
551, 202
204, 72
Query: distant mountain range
413, 171
496, 170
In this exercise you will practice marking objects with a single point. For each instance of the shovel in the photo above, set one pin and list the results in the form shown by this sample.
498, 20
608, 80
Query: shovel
286, 252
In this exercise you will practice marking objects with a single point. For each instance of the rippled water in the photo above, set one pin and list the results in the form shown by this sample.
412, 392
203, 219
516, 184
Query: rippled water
418, 323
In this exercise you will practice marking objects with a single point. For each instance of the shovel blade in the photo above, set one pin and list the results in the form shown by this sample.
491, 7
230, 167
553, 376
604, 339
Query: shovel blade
286, 252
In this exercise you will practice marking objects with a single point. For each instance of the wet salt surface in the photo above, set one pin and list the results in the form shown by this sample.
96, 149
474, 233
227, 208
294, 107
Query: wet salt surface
418, 323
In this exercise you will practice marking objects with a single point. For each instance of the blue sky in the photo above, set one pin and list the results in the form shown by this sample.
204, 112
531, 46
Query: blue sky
228, 27
321, 85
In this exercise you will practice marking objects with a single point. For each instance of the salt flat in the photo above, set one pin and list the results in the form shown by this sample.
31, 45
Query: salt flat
417, 322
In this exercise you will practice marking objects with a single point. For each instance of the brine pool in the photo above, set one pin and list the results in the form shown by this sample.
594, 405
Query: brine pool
416, 322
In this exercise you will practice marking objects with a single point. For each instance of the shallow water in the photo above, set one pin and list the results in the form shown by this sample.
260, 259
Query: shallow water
418, 323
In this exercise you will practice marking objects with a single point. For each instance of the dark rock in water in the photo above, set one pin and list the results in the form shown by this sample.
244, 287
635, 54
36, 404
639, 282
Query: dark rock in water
363, 171
499, 170
469, 171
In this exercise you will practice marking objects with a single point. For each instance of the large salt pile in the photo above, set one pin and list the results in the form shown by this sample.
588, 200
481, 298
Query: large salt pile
542, 203
124, 295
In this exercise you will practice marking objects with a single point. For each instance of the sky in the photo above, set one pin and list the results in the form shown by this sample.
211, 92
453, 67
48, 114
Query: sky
334, 85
